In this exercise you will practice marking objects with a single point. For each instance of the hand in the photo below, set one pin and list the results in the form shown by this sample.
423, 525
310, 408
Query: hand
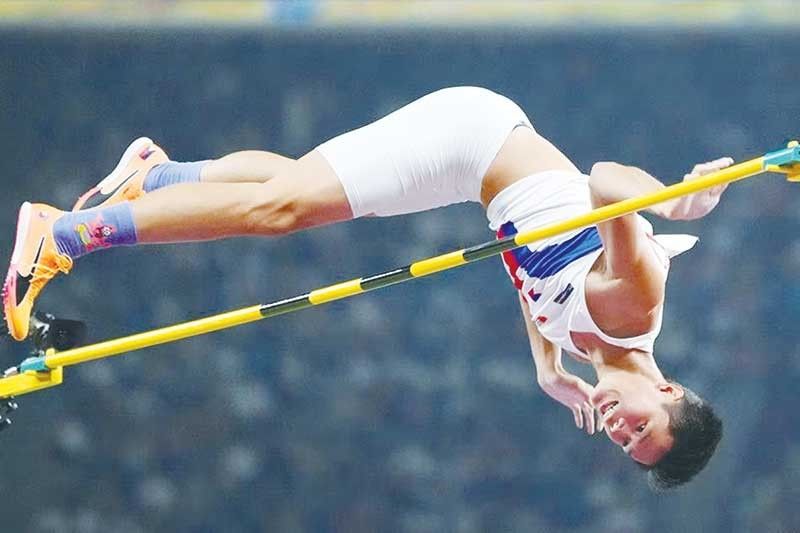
701, 203
574, 393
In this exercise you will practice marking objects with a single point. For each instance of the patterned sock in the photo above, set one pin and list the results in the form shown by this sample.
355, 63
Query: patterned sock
171, 173
81, 232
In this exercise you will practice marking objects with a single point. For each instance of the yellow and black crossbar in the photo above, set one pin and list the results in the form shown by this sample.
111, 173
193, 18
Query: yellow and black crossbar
45, 371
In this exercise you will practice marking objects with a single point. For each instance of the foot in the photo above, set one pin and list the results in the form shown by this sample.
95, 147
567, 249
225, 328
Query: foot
126, 181
34, 262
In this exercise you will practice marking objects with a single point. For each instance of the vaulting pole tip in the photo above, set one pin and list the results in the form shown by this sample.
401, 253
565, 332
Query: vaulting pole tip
786, 161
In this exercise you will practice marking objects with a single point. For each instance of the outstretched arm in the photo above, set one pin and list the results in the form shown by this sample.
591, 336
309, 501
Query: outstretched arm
612, 182
627, 250
570, 391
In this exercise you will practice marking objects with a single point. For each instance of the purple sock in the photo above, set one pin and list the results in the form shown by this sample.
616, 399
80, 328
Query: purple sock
171, 173
81, 232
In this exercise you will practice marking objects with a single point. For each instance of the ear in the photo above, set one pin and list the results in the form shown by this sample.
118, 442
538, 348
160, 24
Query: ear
673, 390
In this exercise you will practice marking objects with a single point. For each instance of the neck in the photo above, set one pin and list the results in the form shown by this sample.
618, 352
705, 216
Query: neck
607, 359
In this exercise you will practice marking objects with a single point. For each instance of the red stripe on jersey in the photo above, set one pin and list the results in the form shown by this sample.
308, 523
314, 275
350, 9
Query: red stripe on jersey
511, 263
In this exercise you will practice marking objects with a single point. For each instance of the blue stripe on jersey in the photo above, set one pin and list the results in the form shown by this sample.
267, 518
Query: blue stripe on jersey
552, 259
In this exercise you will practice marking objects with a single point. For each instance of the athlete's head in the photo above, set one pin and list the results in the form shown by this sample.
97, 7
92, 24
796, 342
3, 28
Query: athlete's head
696, 430
663, 426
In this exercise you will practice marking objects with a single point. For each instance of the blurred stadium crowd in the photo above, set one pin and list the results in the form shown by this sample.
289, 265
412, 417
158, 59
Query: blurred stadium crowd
413, 409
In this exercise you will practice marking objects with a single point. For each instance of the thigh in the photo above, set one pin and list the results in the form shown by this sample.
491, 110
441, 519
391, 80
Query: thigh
249, 166
314, 191
430, 153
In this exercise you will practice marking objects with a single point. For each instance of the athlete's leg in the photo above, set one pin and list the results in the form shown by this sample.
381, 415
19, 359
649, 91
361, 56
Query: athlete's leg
301, 194
430, 153
250, 166
144, 167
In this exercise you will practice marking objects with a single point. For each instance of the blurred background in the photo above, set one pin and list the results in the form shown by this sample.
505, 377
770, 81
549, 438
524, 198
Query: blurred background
412, 409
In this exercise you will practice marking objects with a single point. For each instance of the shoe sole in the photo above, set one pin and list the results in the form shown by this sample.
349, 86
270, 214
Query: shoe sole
10, 285
111, 183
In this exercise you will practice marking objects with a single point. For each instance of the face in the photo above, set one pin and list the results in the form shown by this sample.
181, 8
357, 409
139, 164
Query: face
633, 410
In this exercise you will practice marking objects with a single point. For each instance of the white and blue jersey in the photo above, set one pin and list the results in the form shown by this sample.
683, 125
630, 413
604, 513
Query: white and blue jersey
551, 274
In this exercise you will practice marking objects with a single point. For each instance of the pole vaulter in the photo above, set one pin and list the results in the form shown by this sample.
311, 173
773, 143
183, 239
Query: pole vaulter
57, 341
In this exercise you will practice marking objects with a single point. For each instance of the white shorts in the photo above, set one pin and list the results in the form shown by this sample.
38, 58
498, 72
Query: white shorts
431, 153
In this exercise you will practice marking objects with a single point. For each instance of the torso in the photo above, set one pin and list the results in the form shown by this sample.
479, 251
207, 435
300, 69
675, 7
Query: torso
608, 300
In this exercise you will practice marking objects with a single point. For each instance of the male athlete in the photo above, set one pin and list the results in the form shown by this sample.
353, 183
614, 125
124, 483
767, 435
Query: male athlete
597, 293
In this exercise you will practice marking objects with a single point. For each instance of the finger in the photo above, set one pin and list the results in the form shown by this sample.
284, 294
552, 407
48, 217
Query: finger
598, 425
709, 167
588, 423
717, 164
598, 420
576, 410
589, 417
722, 162
703, 168
715, 167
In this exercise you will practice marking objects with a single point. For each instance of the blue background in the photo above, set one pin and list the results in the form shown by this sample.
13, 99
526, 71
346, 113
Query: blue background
414, 408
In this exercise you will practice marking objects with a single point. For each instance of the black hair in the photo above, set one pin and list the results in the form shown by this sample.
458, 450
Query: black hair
696, 430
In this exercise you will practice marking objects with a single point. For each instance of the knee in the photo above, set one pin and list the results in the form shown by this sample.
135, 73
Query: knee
273, 213
272, 219
301, 197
